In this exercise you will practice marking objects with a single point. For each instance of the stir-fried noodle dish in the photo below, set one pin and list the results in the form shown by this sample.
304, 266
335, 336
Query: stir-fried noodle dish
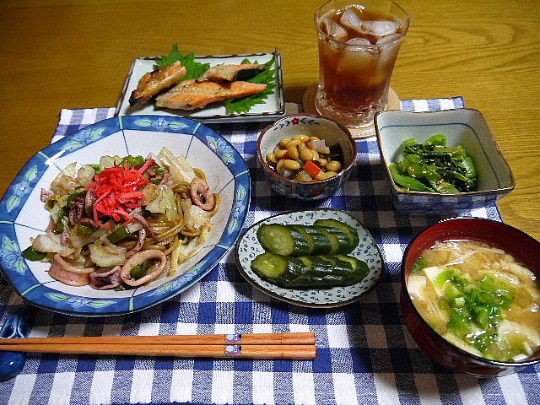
125, 221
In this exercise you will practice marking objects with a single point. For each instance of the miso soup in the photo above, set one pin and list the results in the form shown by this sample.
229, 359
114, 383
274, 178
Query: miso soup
478, 298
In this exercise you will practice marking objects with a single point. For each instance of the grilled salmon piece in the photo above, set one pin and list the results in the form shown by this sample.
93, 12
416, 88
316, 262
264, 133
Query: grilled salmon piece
230, 73
193, 94
157, 81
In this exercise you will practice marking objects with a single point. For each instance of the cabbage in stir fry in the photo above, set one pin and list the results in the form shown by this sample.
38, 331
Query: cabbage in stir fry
124, 222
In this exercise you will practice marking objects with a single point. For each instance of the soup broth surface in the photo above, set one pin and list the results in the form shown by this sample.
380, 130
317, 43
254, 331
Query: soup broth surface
478, 298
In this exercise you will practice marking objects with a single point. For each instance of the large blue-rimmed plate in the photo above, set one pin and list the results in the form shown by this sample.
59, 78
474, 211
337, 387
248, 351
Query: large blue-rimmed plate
248, 247
23, 216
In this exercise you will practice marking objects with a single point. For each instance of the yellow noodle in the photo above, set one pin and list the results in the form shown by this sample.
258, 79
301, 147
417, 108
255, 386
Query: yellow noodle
171, 247
191, 233
128, 244
153, 246
182, 188
160, 221
173, 234
174, 258
217, 204
199, 173
172, 231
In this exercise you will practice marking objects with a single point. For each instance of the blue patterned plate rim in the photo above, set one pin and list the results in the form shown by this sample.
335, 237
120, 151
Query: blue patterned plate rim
248, 247
132, 132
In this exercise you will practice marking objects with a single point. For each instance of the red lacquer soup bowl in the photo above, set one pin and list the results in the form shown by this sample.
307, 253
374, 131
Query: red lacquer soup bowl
524, 249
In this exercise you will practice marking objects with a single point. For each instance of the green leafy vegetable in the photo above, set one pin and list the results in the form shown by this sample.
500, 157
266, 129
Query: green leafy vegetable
196, 69
268, 77
434, 167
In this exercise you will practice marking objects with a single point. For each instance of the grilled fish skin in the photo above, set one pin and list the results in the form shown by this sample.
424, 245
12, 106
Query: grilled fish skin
230, 73
194, 94
157, 81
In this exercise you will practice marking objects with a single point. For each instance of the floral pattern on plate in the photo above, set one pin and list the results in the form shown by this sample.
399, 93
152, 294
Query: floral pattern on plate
248, 247
23, 216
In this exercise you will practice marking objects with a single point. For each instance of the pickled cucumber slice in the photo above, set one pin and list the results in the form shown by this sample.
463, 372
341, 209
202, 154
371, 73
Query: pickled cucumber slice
340, 241
317, 240
302, 272
282, 240
298, 240
334, 223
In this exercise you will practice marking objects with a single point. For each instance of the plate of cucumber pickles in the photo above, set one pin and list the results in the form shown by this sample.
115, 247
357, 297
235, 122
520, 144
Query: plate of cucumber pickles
314, 258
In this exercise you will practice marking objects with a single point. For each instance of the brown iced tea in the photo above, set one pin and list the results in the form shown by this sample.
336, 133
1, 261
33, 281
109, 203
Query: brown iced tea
358, 47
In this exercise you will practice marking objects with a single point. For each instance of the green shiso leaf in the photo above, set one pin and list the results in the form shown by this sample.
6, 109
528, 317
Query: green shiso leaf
196, 69
244, 104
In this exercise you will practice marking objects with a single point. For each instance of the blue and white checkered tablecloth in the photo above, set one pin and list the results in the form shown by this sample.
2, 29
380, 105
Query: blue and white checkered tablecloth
365, 355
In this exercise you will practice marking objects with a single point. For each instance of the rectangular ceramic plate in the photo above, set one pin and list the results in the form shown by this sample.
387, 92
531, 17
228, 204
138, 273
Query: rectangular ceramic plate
273, 108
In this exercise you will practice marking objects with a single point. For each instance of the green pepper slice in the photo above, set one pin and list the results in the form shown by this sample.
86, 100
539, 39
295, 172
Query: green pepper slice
410, 183
119, 234
141, 270
438, 139
134, 160
33, 255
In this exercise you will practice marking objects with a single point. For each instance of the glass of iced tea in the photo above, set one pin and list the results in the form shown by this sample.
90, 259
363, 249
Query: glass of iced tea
358, 46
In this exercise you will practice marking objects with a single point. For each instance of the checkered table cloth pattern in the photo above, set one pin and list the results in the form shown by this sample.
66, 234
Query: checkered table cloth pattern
365, 355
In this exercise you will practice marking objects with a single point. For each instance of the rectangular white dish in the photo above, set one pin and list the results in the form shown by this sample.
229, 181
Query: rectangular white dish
273, 108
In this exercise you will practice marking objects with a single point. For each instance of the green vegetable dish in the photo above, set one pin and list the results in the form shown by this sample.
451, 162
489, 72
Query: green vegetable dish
309, 256
478, 298
433, 166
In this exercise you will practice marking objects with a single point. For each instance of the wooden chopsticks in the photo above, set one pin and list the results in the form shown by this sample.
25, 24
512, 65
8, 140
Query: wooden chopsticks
296, 345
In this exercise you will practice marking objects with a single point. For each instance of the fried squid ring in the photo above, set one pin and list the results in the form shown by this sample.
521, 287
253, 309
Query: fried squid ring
202, 195
105, 280
155, 272
69, 274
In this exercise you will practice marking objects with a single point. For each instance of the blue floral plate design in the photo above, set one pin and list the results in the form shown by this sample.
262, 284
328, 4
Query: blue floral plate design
23, 216
248, 247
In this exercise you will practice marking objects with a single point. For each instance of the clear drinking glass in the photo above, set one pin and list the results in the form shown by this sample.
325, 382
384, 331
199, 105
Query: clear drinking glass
358, 46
